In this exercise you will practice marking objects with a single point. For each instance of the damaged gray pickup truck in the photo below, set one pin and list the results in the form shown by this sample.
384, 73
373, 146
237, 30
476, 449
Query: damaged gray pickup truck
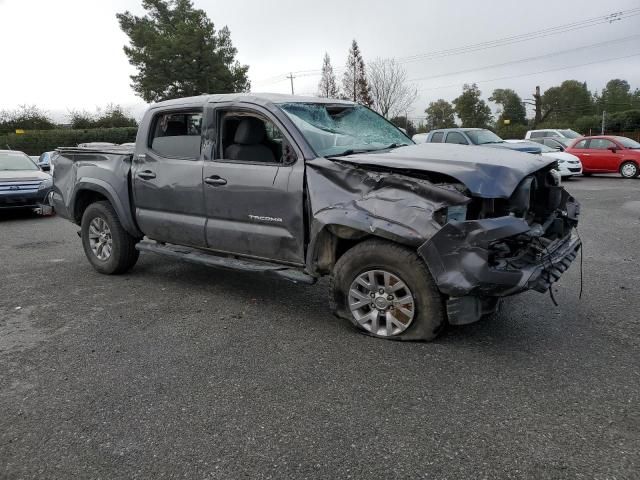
412, 236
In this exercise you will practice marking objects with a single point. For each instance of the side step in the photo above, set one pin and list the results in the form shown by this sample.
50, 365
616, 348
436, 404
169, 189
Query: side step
194, 255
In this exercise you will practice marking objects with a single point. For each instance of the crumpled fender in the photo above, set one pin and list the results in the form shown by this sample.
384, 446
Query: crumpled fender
383, 204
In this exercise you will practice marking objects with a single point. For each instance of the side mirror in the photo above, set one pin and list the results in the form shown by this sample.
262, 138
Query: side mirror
289, 157
613, 149
45, 167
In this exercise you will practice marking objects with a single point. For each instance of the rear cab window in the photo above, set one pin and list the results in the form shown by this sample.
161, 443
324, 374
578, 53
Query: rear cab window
456, 137
177, 134
436, 137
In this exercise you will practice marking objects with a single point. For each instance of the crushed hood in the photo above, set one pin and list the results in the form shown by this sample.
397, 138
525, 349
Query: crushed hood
486, 172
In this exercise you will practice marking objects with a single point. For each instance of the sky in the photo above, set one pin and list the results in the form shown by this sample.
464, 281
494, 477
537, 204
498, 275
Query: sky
63, 55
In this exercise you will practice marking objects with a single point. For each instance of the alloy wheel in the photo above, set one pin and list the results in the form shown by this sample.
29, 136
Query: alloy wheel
100, 239
381, 303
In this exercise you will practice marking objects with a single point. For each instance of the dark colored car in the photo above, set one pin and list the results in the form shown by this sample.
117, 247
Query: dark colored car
607, 154
22, 183
412, 236
476, 136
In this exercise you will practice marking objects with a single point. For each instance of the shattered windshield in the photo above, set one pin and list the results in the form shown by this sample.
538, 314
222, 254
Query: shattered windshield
343, 129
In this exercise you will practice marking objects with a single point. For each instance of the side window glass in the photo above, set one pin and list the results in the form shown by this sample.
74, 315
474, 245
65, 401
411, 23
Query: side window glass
437, 137
456, 137
600, 144
177, 134
581, 144
248, 137
537, 134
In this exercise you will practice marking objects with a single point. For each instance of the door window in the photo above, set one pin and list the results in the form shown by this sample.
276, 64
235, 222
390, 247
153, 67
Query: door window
250, 137
177, 134
437, 137
456, 137
601, 144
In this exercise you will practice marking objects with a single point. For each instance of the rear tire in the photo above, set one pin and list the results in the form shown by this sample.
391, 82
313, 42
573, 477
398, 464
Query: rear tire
386, 291
629, 169
107, 245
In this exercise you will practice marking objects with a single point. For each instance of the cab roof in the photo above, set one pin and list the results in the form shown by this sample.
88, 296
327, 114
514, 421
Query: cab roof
263, 99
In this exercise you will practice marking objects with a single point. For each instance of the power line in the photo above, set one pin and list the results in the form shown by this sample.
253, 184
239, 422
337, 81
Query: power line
524, 60
594, 21
530, 73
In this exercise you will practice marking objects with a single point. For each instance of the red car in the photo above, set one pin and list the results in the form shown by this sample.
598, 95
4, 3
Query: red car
607, 154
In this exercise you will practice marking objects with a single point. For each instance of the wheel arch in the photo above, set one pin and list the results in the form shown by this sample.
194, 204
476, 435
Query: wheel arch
95, 190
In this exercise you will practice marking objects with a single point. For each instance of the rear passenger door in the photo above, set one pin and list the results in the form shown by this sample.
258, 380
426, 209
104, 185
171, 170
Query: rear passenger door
253, 186
167, 178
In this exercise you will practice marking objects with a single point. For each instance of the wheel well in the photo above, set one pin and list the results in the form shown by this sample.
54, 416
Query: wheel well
84, 198
333, 241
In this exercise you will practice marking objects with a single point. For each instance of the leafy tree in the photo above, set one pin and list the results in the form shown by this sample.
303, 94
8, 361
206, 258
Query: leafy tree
390, 92
562, 105
112, 117
615, 97
440, 114
26, 117
401, 121
179, 53
327, 87
512, 106
471, 109
355, 85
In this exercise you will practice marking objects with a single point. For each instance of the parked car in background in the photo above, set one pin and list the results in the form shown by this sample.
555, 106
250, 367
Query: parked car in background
568, 165
557, 143
44, 161
420, 137
607, 154
476, 136
128, 144
549, 132
22, 183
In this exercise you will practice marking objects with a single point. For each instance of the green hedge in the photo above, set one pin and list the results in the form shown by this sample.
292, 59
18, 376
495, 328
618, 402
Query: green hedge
35, 142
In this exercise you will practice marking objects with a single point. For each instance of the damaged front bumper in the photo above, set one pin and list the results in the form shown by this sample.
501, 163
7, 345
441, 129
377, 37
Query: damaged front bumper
462, 259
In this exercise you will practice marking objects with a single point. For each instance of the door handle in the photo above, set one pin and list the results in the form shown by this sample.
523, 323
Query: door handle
146, 175
215, 180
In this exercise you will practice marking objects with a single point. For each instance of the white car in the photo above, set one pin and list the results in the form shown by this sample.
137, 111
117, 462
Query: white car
551, 132
420, 137
568, 165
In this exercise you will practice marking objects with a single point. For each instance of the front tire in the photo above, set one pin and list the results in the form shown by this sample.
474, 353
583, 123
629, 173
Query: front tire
107, 245
629, 169
386, 291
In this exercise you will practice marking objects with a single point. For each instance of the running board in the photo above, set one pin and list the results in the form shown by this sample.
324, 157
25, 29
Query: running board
194, 255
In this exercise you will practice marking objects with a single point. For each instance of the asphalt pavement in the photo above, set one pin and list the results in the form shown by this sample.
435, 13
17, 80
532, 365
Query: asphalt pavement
180, 371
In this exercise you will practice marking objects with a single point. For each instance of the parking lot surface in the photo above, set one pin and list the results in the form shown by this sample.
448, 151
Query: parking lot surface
180, 371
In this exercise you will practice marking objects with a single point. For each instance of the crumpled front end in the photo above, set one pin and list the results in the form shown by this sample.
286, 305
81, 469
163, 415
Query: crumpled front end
523, 243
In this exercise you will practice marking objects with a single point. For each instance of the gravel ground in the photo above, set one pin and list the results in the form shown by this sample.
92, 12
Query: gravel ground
180, 371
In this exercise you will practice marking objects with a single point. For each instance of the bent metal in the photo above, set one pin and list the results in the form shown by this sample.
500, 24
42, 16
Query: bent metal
412, 236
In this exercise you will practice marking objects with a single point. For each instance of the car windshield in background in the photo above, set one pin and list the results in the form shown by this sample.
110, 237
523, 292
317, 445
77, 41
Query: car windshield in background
564, 141
339, 129
14, 161
627, 142
482, 137
570, 133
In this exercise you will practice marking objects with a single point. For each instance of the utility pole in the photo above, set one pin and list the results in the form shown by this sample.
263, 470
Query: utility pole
291, 77
603, 114
538, 105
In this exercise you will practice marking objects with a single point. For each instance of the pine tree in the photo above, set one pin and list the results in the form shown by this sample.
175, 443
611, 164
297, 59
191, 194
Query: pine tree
354, 82
327, 87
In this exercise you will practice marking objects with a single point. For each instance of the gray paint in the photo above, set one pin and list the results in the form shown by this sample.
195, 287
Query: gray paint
299, 210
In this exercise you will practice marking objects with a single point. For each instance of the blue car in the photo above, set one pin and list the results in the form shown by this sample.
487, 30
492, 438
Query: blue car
476, 136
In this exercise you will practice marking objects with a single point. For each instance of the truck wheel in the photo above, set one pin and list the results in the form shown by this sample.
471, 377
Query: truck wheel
629, 169
386, 291
108, 246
